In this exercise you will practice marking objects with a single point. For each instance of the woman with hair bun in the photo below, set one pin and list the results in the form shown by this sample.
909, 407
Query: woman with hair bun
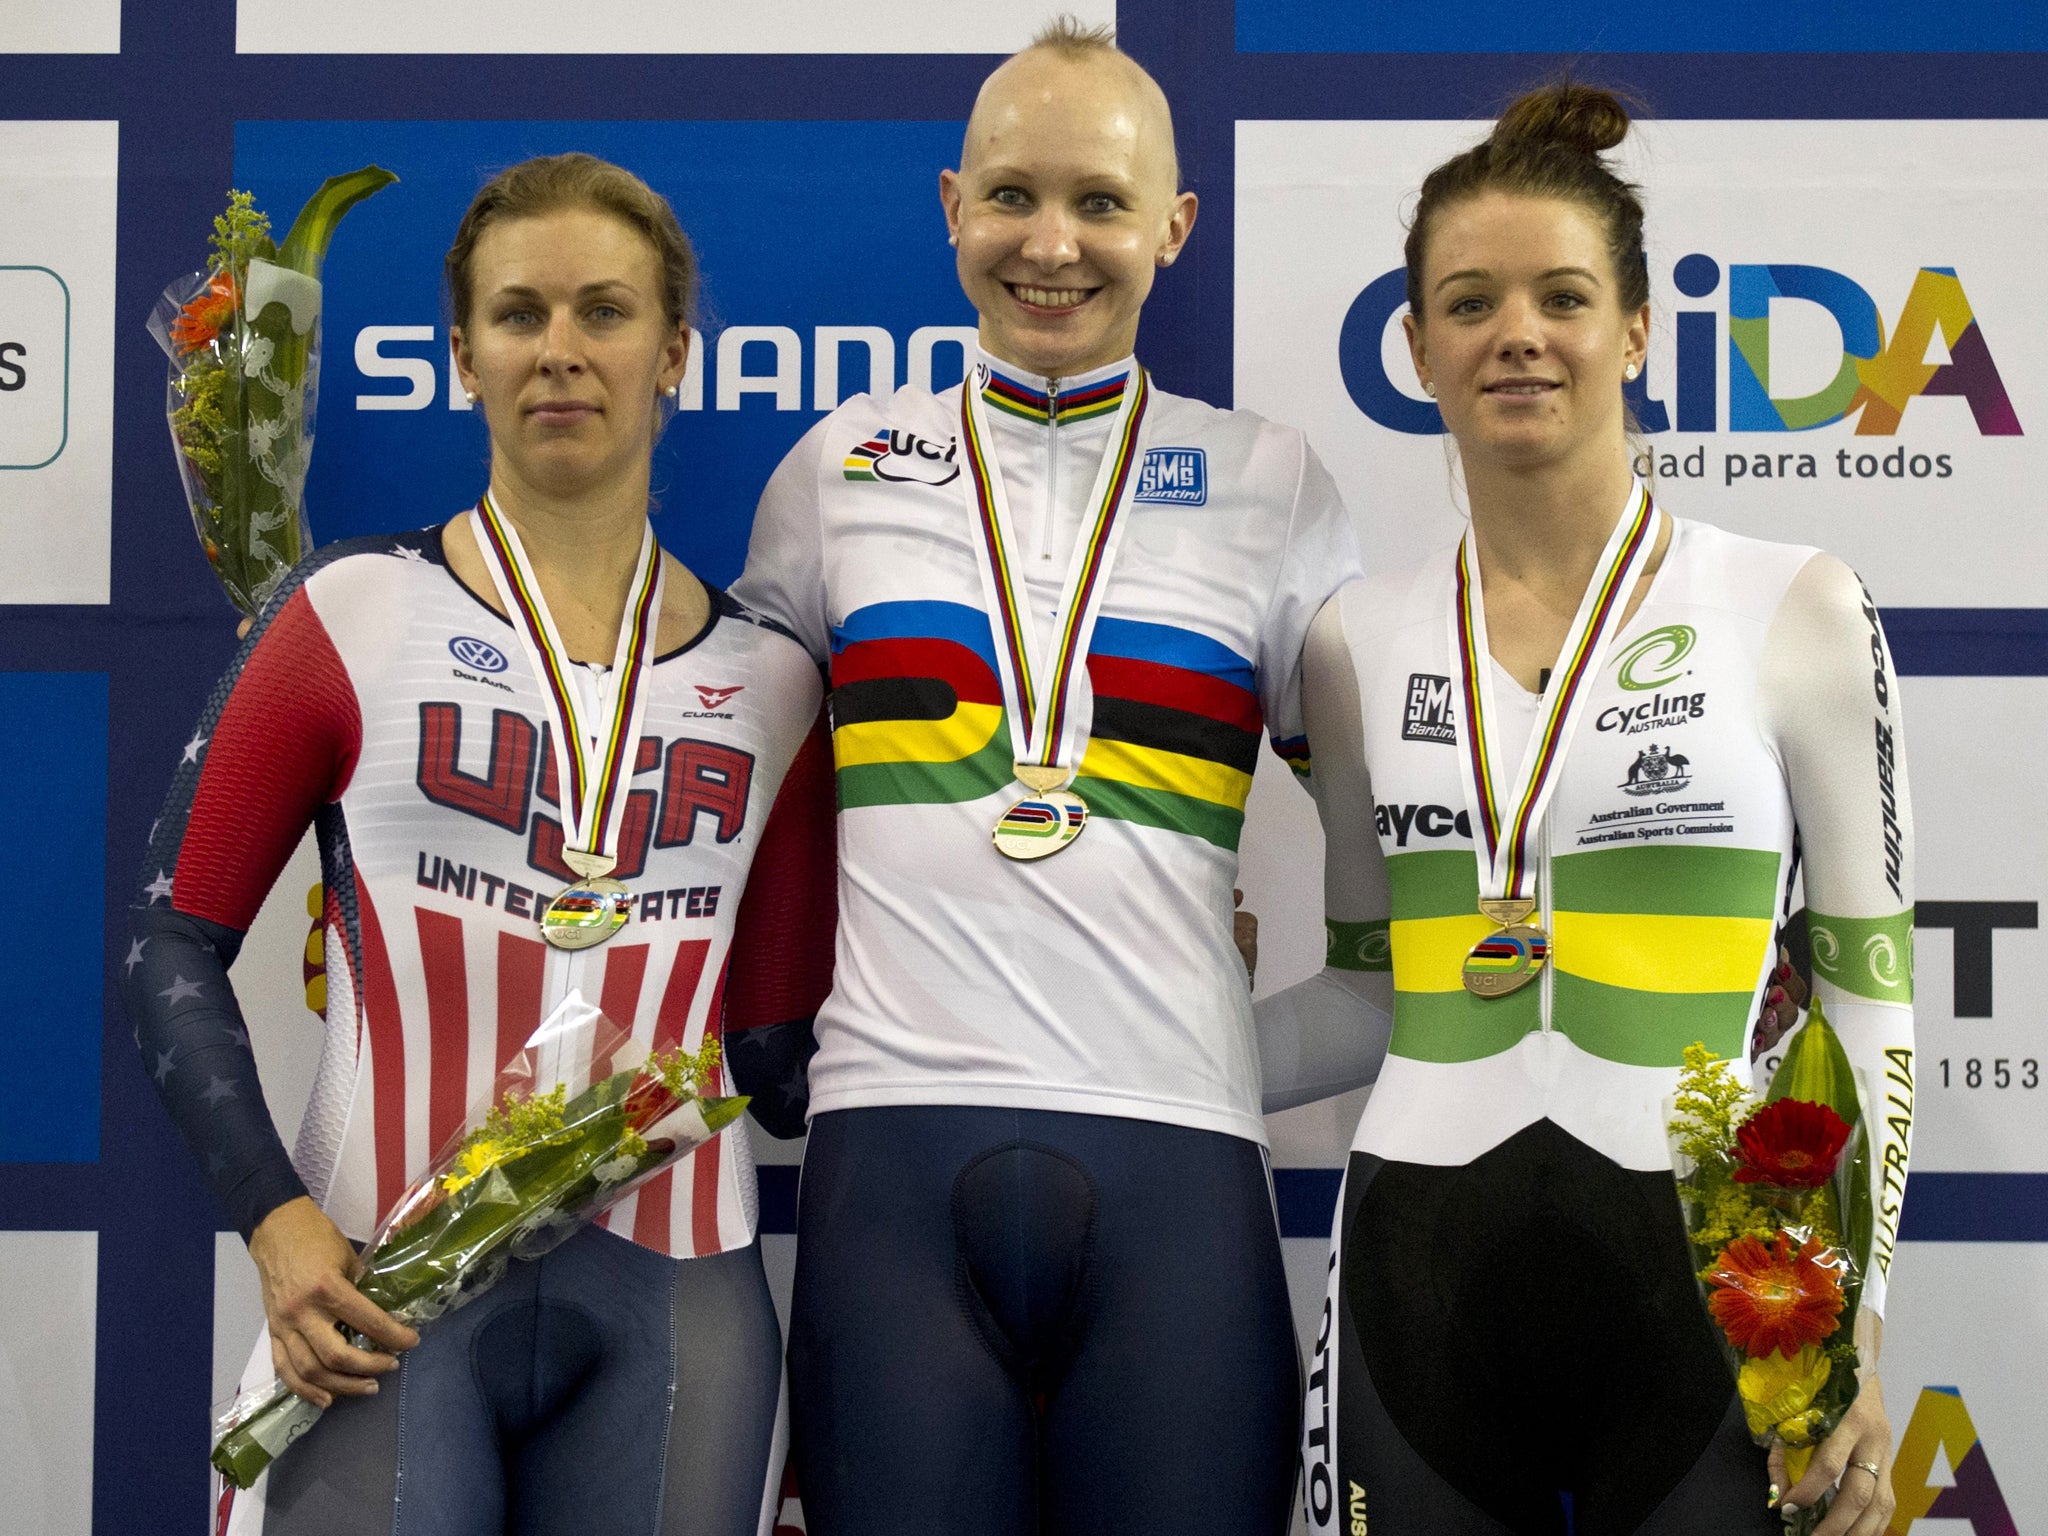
1605, 731
425, 701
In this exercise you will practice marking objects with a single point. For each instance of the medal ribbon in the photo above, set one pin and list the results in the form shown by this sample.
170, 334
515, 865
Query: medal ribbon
1503, 844
593, 777
1041, 723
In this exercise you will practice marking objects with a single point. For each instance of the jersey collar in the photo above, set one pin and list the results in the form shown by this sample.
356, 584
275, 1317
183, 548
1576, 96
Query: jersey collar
1081, 397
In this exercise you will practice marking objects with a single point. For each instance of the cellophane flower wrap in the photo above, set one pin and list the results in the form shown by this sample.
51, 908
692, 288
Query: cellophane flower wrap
1777, 1200
578, 1119
244, 343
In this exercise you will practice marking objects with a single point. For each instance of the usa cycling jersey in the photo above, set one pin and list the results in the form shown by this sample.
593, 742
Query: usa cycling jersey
383, 702
1103, 981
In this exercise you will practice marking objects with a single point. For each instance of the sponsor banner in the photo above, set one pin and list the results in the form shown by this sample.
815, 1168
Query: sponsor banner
826, 272
53, 850
1979, 1010
63, 26
1836, 357
1967, 1426
57, 197
647, 26
48, 1333
1614, 26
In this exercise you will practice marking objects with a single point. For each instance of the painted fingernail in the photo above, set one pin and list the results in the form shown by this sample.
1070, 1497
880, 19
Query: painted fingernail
1773, 1499
1775, 996
1788, 1510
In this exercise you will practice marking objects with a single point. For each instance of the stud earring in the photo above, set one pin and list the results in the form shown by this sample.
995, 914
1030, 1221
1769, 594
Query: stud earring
1429, 390
674, 392
471, 396
1630, 372
953, 240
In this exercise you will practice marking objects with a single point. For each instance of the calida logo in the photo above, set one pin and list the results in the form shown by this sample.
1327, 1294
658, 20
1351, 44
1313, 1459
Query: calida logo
1880, 374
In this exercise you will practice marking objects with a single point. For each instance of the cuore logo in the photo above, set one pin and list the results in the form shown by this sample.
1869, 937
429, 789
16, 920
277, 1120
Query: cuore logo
1653, 660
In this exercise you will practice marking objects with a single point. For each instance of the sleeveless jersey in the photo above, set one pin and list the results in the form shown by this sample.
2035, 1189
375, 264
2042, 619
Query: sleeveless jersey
385, 702
1102, 980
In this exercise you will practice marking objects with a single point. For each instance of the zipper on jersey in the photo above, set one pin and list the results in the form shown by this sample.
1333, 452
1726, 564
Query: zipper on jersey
1052, 468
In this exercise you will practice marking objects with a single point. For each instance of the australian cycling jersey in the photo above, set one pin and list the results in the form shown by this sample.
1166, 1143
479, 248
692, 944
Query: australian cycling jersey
1103, 980
383, 702
1750, 702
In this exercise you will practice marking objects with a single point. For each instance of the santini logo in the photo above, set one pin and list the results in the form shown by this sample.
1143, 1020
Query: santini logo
1175, 475
903, 457
476, 653
1429, 710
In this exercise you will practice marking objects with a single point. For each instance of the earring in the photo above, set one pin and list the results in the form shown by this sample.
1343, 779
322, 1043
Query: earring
674, 392
953, 240
471, 396
1630, 372
1429, 389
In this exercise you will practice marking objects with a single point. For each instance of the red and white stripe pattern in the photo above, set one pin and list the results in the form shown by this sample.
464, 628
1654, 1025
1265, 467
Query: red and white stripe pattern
357, 697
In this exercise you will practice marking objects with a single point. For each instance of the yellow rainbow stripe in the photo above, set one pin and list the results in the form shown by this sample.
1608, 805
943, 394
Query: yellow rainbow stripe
962, 734
1153, 768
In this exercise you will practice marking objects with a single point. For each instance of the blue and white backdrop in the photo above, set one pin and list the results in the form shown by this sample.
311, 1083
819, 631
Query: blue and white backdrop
1829, 182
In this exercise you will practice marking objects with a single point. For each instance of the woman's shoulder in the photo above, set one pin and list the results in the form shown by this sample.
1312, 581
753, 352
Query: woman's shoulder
1712, 567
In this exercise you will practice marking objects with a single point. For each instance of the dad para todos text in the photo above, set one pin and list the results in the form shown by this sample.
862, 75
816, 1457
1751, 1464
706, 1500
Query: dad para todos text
1899, 464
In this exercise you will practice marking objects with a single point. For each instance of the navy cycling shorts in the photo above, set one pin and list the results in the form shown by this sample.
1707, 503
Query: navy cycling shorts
1009, 1322
602, 1390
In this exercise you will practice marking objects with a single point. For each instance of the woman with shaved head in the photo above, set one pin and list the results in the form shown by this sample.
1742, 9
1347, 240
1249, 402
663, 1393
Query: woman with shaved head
1039, 1283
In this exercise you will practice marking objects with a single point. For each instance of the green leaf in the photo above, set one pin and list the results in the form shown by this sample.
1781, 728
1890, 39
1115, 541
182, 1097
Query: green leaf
306, 246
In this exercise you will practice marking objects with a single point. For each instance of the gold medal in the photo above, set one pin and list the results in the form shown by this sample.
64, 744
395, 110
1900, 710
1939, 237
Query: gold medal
1040, 825
593, 758
1046, 699
1506, 826
586, 914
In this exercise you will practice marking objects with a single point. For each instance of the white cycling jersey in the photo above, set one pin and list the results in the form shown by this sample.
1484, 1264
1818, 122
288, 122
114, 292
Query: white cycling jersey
1103, 980
1748, 708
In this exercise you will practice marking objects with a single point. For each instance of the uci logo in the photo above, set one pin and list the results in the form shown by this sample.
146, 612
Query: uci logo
476, 653
1653, 661
1879, 372
903, 457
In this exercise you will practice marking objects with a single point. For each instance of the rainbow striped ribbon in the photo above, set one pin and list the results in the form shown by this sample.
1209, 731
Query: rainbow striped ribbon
592, 759
1039, 722
1503, 844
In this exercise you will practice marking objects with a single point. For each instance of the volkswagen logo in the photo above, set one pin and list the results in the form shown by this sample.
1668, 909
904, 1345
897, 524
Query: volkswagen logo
476, 653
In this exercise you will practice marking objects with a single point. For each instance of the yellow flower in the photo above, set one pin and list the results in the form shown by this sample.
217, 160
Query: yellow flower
477, 1159
1778, 1392
1797, 1458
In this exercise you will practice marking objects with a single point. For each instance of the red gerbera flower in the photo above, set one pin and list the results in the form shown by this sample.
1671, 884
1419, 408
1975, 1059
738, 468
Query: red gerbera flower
201, 319
1792, 1144
1774, 1298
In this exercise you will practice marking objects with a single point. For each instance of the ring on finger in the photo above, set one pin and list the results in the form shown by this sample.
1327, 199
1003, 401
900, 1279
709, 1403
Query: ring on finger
1869, 1466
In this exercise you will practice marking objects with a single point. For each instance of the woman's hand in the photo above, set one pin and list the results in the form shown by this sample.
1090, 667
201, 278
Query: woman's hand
1783, 999
1244, 932
1864, 1502
304, 1264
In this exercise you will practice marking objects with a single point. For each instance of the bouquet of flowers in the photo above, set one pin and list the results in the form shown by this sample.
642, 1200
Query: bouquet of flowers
244, 343
1777, 1201
537, 1158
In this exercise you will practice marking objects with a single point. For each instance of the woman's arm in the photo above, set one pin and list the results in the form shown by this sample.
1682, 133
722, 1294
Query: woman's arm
785, 573
1829, 702
1329, 1034
276, 743
1828, 699
781, 968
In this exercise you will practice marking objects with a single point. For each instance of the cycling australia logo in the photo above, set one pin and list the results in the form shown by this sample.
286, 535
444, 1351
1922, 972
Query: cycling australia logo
1428, 716
1176, 476
903, 458
1653, 661
477, 655
1657, 771
35, 367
